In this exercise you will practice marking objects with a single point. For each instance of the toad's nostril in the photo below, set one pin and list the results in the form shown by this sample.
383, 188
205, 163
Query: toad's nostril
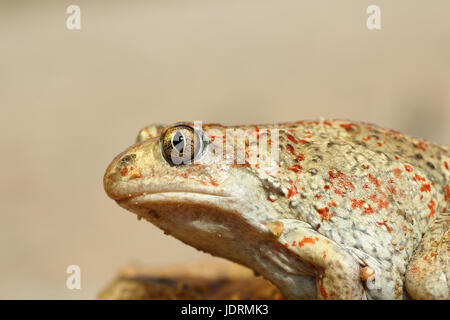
127, 160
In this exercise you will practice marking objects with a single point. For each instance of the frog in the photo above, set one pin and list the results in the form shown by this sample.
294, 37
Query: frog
339, 209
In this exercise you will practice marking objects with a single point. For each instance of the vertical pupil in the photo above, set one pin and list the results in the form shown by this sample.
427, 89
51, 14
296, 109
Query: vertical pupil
178, 142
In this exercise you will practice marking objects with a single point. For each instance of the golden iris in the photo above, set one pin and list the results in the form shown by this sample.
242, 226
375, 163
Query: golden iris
180, 144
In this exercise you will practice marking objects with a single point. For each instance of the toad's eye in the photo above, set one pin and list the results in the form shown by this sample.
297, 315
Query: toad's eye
180, 144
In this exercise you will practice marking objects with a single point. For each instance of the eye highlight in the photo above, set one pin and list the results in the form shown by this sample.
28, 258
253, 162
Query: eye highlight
180, 144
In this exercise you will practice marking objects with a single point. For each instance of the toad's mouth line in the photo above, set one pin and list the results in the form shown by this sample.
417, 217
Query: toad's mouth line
188, 195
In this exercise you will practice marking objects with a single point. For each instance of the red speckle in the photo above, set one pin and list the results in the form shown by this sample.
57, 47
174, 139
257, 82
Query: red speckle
214, 183
291, 137
408, 168
318, 196
422, 146
396, 157
414, 269
323, 292
446, 165
383, 204
447, 192
328, 123
332, 204
379, 144
326, 187
425, 187
418, 178
397, 172
343, 182
292, 191
374, 180
357, 203
306, 240
347, 126
391, 189
432, 207
293, 243
300, 157
325, 213
369, 210
296, 168
384, 224
290, 149
367, 138
124, 171
304, 141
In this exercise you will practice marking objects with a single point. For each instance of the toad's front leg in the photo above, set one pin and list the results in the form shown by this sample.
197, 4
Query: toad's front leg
428, 274
337, 272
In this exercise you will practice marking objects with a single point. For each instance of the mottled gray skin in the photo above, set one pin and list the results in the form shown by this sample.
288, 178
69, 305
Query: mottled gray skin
351, 199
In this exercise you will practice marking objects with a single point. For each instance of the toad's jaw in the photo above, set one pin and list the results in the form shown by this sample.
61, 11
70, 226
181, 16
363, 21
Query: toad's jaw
221, 226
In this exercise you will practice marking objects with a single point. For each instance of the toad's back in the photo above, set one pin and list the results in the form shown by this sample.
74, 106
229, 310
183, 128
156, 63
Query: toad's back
373, 190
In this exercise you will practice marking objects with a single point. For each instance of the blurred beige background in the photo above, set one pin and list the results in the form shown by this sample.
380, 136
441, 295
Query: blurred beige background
71, 100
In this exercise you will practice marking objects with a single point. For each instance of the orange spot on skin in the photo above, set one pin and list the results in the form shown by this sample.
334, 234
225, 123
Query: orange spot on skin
383, 204
357, 203
374, 180
328, 123
292, 191
214, 183
414, 269
324, 256
296, 168
325, 213
326, 187
290, 149
432, 207
425, 187
318, 196
366, 138
396, 157
306, 240
323, 292
384, 224
418, 178
332, 204
446, 165
408, 168
391, 190
291, 137
304, 141
369, 210
447, 192
397, 172
340, 182
347, 126
124, 171
422, 146
300, 157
